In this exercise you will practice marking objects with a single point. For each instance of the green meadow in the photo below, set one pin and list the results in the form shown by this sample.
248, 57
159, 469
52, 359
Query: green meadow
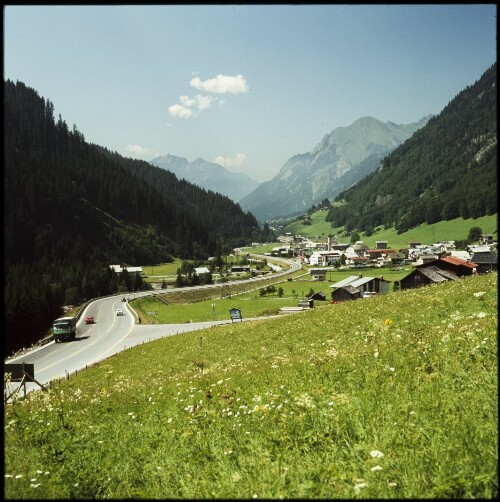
208, 305
389, 397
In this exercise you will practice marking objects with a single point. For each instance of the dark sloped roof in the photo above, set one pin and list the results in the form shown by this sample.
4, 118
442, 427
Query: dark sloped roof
436, 274
485, 258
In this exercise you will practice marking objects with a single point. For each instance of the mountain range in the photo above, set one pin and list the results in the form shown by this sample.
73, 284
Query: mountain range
446, 170
208, 175
342, 158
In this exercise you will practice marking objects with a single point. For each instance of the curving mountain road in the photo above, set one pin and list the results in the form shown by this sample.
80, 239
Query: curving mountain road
110, 334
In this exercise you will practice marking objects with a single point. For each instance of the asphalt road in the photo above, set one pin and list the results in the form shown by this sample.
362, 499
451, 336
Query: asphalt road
109, 335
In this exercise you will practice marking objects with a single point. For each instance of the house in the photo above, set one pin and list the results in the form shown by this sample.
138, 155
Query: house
307, 303
345, 293
240, 269
320, 296
425, 276
318, 274
397, 258
324, 258
201, 271
486, 239
453, 265
359, 248
363, 284
485, 261
463, 255
131, 270
357, 261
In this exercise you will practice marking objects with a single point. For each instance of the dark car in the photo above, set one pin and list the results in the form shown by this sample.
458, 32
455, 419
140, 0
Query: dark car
89, 320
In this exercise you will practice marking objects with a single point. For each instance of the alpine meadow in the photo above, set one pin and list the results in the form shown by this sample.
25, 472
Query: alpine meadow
250, 252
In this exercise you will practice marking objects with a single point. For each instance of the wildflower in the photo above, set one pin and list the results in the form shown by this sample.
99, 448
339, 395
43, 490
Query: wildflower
9, 475
35, 486
392, 484
376, 454
359, 486
479, 294
481, 315
376, 468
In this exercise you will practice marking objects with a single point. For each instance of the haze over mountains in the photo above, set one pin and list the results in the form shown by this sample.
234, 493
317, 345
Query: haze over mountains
208, 175
341, 159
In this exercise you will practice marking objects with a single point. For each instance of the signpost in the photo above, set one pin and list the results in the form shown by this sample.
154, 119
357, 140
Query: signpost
235, 314
24, 372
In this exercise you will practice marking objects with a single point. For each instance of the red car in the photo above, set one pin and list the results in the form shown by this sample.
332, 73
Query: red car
89, 320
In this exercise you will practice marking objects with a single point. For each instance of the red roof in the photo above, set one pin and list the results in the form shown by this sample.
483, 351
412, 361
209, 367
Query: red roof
458, 261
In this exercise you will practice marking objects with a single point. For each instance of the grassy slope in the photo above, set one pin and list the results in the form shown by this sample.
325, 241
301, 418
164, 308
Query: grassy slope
457, 229
389, 397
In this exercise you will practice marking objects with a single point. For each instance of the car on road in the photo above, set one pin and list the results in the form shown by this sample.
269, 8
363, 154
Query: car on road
119, 312
89, 320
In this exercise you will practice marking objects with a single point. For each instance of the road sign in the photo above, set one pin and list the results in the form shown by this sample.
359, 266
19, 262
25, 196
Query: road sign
235, 314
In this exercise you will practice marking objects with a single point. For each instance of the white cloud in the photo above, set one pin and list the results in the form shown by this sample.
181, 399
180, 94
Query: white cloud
237, 161
137, 150
203, 102
180, 111
188, 107
187, 101
221, 84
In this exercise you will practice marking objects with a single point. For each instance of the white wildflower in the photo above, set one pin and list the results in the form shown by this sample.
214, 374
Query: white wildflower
359, 486
376, 468
479, 294
376, 454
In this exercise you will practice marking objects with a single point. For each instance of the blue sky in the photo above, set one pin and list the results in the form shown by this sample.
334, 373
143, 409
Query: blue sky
248, 86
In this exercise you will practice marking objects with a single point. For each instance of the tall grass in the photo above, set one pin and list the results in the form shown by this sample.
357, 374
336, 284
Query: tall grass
390, 397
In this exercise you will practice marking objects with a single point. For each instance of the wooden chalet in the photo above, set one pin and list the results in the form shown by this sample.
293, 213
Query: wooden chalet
424, 276
454, 265
345, 293
318, 296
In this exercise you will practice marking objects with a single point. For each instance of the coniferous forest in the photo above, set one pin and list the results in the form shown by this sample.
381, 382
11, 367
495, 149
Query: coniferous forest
72, 208
446, 170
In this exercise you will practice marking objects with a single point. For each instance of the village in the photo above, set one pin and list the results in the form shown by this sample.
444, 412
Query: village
430, 263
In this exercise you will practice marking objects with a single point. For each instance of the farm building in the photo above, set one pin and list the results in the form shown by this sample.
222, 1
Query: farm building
363, 284
345, 293
425, 276
454, 265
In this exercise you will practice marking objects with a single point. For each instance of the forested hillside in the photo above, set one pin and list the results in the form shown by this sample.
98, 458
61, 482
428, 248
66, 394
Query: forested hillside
446, 170
71, 209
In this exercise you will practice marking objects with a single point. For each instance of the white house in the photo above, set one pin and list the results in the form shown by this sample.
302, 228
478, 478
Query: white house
324, 258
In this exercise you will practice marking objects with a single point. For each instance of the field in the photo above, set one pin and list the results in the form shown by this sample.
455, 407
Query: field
457, 229
197, 306
390, 397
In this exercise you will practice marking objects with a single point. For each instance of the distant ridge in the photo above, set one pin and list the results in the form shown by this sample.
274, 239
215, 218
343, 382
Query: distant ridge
208, 175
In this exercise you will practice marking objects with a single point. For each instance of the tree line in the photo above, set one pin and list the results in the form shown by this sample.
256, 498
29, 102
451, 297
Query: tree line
72, 209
